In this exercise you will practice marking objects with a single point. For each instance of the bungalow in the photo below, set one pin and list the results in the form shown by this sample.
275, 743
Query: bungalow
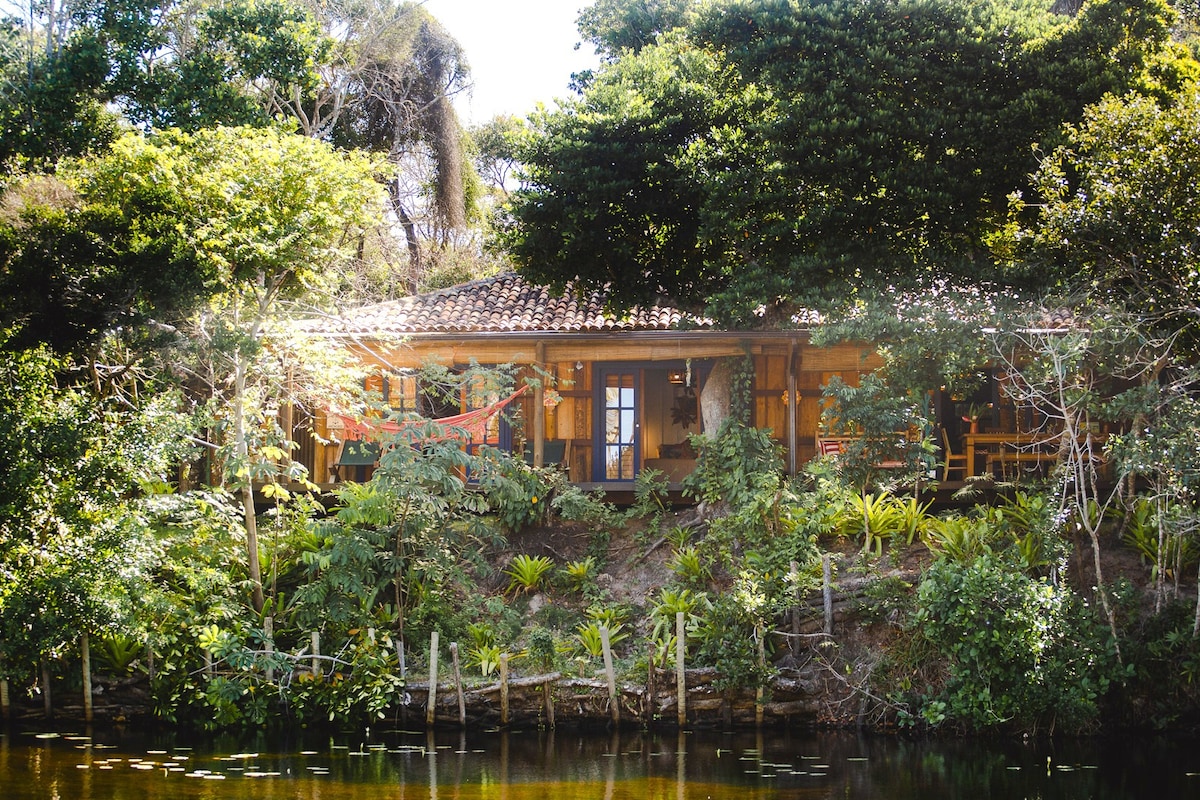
623, 393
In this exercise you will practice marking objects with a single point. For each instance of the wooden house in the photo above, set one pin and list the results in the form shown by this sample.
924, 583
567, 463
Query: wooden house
623, 392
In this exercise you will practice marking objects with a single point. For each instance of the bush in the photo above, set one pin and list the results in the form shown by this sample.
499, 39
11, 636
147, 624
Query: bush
1019, 652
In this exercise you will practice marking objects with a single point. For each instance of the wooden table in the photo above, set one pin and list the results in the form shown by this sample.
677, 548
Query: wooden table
1026, 446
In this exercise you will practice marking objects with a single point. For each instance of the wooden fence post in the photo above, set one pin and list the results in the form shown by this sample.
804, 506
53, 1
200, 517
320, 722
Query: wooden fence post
827, 580
316, 653
794, 639
504, 688
762, 663
613, 700
548, 690
433, 669
5, 706
47, 705
462, 703
680, 670
269, 645
85, 656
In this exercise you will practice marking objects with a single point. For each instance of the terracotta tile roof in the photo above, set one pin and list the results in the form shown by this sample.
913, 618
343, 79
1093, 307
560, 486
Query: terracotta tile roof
505, 303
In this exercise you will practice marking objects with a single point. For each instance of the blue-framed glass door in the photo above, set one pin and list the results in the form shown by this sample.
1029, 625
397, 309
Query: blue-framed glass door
618, 457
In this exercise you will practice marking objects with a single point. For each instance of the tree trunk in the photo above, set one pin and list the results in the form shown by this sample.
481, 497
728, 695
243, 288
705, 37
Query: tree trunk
717, 396
248, 515
410, 236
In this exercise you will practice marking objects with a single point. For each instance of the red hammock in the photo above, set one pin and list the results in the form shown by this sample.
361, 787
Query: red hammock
470, 426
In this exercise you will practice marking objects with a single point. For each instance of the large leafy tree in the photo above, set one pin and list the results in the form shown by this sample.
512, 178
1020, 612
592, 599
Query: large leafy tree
1120, 209
74, 548
246, 223
783, 151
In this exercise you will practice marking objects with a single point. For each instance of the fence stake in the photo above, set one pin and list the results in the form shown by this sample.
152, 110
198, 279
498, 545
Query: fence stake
762, 663
316, 654
462, 703
433, 671
269, 646
5, 708
651, 689
548, 689
794, 639
504, 688
47, 706
85, 654
680, 670
827, 579
613, 701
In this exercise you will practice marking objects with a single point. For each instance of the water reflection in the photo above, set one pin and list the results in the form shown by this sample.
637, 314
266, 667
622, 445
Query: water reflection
544, 765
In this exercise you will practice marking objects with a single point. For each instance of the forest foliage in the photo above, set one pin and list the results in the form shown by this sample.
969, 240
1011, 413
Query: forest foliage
936, 177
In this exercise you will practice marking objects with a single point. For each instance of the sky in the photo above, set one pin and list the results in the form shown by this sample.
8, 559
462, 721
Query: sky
521, 52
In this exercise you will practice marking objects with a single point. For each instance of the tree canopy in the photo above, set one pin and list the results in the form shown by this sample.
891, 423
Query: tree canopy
782, 152
1120, 209
158, 224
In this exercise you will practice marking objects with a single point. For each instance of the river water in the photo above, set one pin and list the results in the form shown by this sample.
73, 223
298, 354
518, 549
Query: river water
545, 765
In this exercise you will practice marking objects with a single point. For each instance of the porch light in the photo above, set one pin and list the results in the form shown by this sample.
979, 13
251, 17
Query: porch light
676, 377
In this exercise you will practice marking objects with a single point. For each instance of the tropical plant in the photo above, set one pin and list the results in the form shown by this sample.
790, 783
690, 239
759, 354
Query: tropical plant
959, 539
526, 573
486, 657
580, 574
690, 566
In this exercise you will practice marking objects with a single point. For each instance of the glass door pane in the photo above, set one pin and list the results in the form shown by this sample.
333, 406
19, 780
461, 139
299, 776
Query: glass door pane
620, 426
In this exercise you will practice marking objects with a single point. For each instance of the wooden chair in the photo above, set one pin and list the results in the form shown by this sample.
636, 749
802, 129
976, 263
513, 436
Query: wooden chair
554, 453
952, 461
830, 447
358, 457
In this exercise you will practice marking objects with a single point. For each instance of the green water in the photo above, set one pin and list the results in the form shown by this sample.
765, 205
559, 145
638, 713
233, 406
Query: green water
541, 765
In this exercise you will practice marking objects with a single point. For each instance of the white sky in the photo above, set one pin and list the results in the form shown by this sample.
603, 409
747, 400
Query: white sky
521, 52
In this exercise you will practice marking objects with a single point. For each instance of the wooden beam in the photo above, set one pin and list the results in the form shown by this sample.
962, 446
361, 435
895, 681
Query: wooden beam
791, 408
539, 409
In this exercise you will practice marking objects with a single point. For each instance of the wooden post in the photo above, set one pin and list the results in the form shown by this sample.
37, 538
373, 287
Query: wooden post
548, 690
5, 705
827, 580
611, 675
269, 645
651, 688
316, 653
504, 688
433, 675
680, 670
794, 639
762, 663
47, 706
149, 659
462, 703
85, 656
791, 406
539, 408
208, 665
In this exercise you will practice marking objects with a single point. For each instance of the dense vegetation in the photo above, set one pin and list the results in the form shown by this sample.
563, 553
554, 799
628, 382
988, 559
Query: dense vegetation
941, 172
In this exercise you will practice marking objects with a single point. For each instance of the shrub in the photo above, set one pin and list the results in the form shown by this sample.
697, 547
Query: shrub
527, 572
1019, 652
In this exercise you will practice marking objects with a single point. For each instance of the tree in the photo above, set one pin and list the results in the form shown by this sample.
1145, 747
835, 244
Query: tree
616, 26
777, 152
78, 264
1121, 212
255, 221
74, 548
51, 88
